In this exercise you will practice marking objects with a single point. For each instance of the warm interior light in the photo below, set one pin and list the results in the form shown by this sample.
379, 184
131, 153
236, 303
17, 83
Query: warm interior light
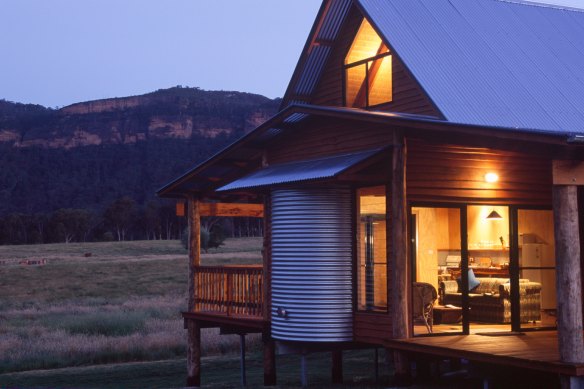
491, 177
366, 44
494, 215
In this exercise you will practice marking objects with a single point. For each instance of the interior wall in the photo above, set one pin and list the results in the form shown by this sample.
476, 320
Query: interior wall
485, 233
428, 239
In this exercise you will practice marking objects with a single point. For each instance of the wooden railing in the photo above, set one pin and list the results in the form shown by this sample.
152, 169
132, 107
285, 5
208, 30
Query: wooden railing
229, 290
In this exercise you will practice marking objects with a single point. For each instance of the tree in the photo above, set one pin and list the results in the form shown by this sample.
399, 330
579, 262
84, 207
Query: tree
69, 225
120, 216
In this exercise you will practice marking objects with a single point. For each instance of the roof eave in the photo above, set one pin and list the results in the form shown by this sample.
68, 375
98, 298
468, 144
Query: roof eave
406, 121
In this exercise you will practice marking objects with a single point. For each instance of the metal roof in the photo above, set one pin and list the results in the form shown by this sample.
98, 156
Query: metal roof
285, 173
491, 62
317, 51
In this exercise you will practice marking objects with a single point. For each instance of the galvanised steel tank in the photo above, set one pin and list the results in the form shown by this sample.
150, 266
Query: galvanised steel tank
312, 264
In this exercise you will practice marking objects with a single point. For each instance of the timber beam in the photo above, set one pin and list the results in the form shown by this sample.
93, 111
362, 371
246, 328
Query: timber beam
232, 209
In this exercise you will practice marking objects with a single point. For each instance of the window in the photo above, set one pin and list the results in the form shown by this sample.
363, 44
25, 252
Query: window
368, 70
372, 249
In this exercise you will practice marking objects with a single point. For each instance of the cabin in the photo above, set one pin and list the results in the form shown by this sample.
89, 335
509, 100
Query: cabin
420, 190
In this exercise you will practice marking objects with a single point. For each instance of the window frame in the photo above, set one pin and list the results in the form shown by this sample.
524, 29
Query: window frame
365, 62
357, 265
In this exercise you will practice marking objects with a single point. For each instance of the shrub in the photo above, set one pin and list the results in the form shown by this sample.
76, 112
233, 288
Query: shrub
210, 239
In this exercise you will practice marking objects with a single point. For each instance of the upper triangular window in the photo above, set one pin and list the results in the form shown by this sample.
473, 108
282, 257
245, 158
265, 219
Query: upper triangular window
368, 69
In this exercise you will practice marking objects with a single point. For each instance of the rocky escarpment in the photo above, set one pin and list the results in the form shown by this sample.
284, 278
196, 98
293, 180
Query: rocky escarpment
175, 113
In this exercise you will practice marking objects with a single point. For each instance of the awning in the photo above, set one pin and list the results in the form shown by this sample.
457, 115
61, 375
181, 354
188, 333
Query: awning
314, 169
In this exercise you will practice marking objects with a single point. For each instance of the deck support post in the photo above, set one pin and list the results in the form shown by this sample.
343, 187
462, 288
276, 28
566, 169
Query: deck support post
242, 359
571, 382
568, 273
400, 285
193, 328
303, 370
270, 378
376, 361
337, 367
193, 354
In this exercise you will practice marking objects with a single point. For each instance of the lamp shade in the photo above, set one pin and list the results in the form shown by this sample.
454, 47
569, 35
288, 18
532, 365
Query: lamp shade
494, 215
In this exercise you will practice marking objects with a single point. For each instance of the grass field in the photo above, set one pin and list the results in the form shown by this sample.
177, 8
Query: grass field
120, 304
218, 372
112, 320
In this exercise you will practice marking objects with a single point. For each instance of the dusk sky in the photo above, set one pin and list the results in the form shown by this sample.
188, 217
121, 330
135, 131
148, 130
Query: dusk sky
58, 52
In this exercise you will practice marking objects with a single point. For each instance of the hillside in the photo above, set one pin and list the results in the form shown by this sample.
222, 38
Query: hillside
86, 155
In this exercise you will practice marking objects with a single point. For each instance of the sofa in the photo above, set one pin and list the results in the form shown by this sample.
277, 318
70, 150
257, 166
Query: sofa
490, 301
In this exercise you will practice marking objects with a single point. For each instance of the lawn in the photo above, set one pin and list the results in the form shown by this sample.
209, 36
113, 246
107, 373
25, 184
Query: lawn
112, 320
122, 303
217, 372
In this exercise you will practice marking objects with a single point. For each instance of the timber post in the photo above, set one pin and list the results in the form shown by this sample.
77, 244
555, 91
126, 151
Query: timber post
269, 361
399, 259
568, 273
337, 367
194, 330
193, 354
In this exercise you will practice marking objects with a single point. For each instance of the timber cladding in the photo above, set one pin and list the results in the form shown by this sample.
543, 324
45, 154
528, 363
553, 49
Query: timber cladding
321, 137
408, 97
372, 328
451, 173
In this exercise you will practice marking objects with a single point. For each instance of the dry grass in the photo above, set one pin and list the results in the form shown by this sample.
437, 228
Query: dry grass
111, 307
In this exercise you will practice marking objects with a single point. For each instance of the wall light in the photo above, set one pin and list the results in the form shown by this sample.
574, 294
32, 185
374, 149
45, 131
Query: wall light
491, 177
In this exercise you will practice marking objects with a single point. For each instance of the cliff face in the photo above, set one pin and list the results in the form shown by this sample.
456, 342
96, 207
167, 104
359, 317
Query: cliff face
175, 113
89, 154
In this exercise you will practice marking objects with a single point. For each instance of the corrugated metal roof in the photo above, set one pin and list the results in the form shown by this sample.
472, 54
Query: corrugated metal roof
312, 70
491, 62
315, 169
317, 52
331, 24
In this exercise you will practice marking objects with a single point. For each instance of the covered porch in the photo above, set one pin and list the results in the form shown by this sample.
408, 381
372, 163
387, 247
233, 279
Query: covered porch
536, 352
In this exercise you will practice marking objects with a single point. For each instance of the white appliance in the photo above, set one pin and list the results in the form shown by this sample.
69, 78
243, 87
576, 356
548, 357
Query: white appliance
540, 255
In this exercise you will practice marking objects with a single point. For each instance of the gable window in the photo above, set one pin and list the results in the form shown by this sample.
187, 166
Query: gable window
368, 70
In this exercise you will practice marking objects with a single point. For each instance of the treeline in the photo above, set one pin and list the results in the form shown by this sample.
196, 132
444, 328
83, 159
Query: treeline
122, 220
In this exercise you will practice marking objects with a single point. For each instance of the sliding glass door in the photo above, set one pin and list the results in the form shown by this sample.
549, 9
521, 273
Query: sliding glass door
437, 295
536, 283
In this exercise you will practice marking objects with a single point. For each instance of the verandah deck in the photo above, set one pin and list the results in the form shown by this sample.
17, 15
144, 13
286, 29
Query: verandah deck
529, 350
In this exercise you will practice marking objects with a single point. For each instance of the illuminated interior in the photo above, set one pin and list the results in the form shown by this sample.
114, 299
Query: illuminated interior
368, 69
437, 261
372, 249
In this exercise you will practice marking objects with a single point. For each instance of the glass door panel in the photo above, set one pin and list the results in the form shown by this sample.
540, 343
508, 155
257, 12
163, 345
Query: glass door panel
372, 249
537, 274
489, 268
436, 255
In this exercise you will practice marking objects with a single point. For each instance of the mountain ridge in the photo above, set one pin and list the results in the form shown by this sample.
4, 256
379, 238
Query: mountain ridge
177, 112
86, 155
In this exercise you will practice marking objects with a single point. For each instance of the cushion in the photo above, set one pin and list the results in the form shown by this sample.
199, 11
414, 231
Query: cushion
473, 282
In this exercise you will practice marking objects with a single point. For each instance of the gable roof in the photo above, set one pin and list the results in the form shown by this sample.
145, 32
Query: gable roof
488, 62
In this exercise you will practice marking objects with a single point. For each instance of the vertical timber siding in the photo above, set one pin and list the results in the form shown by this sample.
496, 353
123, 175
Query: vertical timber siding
408, 97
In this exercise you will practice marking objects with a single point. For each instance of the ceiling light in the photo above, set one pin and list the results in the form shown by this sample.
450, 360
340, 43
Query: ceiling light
494, 215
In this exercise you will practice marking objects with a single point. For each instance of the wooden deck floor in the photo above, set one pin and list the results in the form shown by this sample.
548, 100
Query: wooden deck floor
530, 350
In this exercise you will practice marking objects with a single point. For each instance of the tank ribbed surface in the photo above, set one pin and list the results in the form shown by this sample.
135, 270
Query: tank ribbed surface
312, 265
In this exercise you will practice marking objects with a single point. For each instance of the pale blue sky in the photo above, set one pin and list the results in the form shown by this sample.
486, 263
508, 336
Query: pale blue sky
58, 52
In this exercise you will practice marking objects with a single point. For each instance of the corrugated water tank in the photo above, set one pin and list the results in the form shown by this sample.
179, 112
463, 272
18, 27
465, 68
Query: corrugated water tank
312, 265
